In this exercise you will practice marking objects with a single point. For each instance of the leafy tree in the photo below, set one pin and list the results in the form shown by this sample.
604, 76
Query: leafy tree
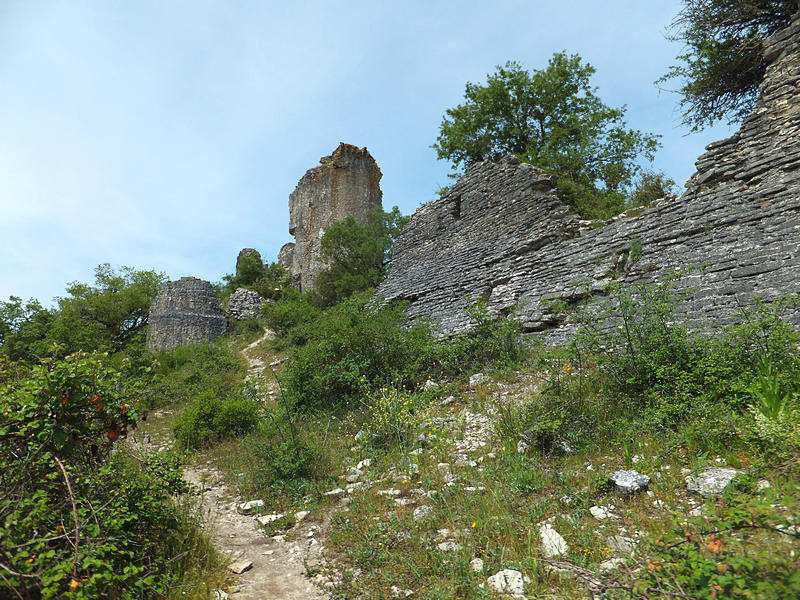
105, 317
651, 186
19, 321
358, 255
272, 280
724, 60
249, 268
553, 119
109, 314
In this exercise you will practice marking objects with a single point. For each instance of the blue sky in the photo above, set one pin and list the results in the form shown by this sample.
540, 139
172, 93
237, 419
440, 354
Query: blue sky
168, 135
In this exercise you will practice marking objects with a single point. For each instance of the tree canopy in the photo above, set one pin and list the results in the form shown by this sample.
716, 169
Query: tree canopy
249, 268
724, 62
553, 119
102, 317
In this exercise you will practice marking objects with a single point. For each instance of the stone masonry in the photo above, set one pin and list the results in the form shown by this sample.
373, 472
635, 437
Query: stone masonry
502, 233
185, 312
346, 183
245, 304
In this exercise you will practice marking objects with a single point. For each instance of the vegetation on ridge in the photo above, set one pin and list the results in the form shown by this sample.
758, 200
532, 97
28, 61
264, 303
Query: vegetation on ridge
109, 316
553, 119
724, 60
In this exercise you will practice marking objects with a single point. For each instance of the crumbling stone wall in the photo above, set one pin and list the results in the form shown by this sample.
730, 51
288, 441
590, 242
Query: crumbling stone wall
245, 304
346, 183
502, 234
185, 312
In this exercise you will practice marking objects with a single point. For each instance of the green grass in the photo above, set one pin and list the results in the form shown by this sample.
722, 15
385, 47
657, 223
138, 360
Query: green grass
667, 404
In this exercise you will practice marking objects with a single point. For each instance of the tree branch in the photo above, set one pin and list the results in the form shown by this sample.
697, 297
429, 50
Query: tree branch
74, 515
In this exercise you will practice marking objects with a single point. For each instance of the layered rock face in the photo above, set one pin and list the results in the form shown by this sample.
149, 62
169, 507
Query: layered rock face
345, 184
185, 312
503, 235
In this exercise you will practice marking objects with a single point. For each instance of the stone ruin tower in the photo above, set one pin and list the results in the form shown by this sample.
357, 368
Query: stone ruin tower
185, 312
345, 184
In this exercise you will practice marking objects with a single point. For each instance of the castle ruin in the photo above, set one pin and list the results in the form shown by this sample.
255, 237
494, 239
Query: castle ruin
345, 184
184, 312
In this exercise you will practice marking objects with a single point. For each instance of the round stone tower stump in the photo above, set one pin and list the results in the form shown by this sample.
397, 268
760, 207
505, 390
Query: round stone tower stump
185, 312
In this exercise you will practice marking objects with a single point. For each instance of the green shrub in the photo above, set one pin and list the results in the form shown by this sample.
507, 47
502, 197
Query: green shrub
776, 438
272, 283
651, 186
389, 415
285, 461
357, 346
75, 521
283, 456
767, 395
291, 316
207, 418
492, 340
354, 348
727, 561
674, 374
249, 269
549, 424
249, 329
172, 377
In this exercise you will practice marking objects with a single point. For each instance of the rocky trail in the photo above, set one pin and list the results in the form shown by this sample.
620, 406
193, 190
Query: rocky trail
263, 567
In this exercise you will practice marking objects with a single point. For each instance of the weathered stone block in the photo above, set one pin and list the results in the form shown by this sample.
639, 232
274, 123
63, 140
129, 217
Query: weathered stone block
245, 304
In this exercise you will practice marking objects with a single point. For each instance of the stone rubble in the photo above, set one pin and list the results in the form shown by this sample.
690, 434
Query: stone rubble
245, 304
250, 507
601, 513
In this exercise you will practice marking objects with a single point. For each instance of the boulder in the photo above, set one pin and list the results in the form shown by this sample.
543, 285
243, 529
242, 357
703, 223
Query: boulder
508, 581
711, 482
629, 482
553, 544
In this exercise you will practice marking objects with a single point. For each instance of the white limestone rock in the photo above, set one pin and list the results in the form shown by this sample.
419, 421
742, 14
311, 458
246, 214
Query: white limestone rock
508, 581
711, 482
250, 507
553, 544
629, 482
